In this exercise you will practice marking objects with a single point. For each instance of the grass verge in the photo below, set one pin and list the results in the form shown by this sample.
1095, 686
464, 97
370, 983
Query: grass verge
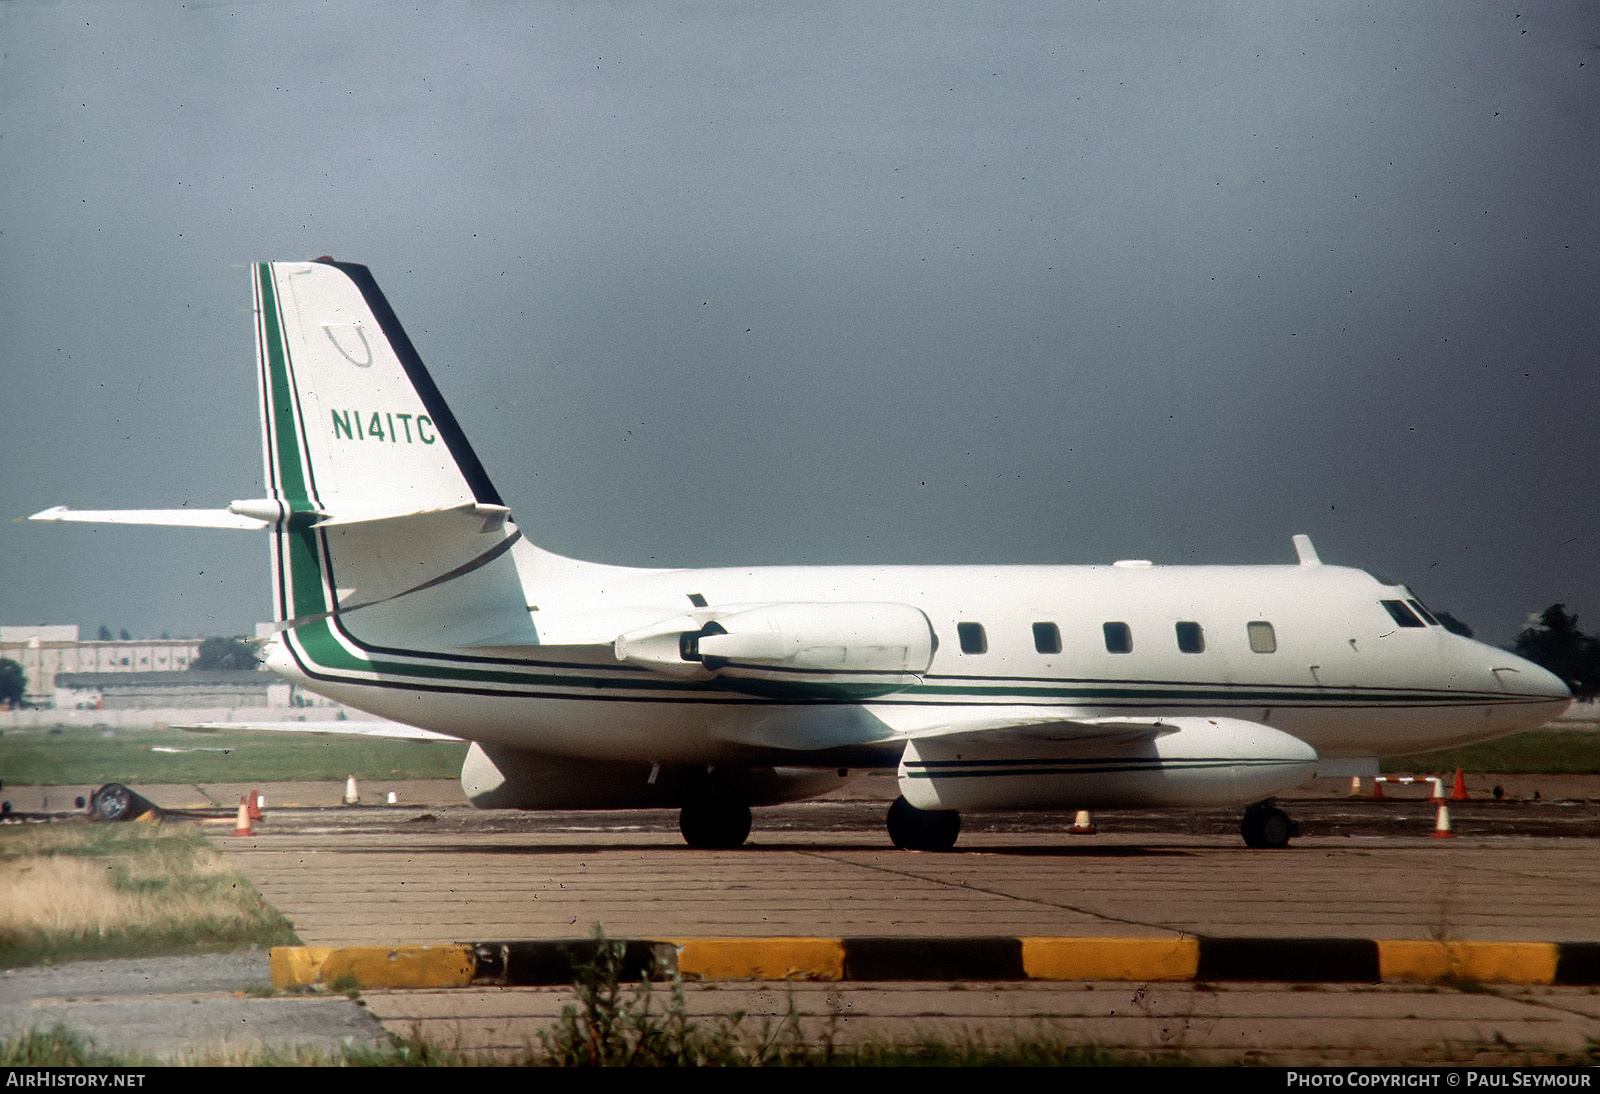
1539, 753
77, 891
72, 756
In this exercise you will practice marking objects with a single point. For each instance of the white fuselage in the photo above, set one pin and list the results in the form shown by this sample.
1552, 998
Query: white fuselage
1308, 649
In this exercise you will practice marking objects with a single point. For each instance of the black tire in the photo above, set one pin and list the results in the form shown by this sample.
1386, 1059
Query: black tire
913, 829
714, 824
1267, 827
112, 802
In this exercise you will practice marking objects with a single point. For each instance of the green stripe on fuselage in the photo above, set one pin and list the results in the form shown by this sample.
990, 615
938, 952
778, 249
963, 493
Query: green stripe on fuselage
323, 647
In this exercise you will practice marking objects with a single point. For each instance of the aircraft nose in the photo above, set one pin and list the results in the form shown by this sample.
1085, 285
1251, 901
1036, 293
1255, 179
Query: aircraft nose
1540, 681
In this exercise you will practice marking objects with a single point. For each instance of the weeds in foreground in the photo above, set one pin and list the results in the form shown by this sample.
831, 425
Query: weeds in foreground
641, 1026
746, 1048
613, 1026
58, 1047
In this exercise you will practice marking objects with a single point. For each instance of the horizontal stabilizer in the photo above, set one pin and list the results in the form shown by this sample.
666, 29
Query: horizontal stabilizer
168, 518
490, 518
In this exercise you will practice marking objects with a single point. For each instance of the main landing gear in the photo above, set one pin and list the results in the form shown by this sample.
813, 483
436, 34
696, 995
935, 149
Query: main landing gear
714, 823
1265, 825
913, 829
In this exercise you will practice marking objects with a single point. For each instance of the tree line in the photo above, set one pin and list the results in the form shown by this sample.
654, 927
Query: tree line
1555, 642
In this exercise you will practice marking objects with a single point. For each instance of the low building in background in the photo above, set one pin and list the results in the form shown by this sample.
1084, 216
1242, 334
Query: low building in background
65, 673
44, 652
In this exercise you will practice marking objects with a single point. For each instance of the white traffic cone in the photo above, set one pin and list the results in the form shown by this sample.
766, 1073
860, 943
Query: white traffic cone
1441, 823
352, 796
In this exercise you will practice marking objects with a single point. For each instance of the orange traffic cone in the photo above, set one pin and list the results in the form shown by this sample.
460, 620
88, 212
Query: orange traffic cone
1377, 788
241, 827
1082, 825
1458, 792
255, 805
1441, 823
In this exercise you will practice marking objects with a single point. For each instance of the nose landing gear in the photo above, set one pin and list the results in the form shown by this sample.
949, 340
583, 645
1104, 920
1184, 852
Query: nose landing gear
1265, 825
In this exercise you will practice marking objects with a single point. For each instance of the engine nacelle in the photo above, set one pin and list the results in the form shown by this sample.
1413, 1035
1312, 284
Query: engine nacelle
883, 647
1207, 762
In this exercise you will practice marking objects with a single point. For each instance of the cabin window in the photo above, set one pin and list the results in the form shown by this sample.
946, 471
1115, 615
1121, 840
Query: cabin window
1262, 637
1402, 614
1047, 638
973, 640
1191, 639
1119, 637
1427, 616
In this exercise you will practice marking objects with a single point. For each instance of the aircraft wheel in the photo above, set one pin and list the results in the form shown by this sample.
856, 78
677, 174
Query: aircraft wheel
913, 829
112, 802
714, 824
1267, 826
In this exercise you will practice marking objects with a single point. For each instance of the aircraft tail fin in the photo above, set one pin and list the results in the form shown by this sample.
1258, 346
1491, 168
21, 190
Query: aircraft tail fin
374, 494
354, 423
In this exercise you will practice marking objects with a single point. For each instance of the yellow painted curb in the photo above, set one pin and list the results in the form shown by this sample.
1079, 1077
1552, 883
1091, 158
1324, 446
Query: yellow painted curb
761, 958
1488, 962
373, 966
1110, 958
297, 966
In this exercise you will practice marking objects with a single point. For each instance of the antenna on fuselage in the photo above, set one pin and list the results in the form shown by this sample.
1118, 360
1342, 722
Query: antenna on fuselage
1305, 551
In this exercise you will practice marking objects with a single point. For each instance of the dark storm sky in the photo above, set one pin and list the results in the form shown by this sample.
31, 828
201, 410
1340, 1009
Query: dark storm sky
719, 284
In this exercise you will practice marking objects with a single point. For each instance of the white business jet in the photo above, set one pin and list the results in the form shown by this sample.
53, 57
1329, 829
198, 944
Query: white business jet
402, 587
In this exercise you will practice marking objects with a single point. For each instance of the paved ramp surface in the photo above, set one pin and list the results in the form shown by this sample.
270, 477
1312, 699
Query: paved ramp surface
1234, 1023
194, 1008
438, 876
404, 883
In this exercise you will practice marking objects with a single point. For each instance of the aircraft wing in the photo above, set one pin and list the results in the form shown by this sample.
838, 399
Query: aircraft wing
366, 728
1017, 728
823, 728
